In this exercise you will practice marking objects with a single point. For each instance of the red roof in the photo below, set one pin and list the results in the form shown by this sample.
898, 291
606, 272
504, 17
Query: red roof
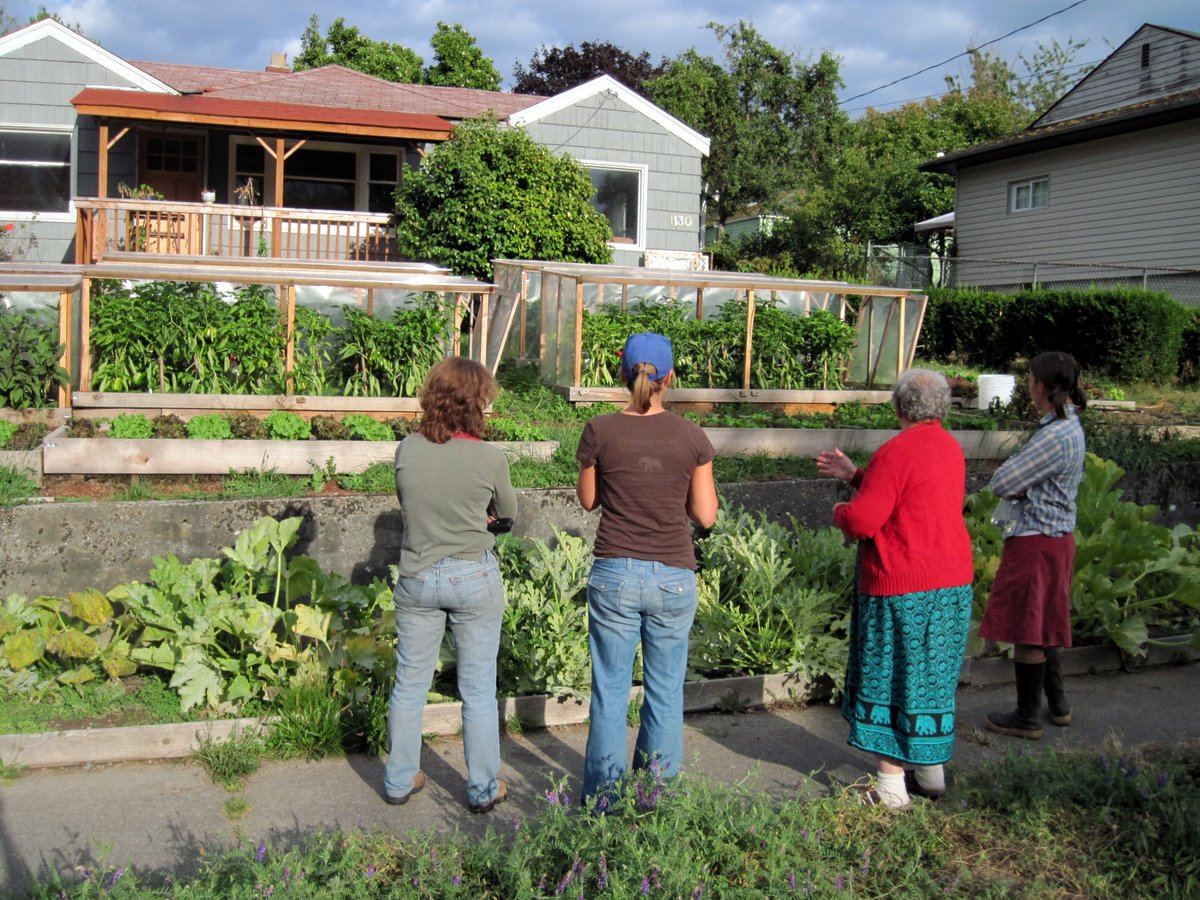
215, 109
339, 87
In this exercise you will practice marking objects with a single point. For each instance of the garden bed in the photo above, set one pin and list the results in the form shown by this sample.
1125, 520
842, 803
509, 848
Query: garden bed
91, 746
62, 454
810, 442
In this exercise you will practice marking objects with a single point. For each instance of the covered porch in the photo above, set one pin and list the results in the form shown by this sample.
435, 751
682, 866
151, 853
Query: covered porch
195, 175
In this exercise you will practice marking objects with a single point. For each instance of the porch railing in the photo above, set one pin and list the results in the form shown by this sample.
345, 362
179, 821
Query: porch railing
159, 227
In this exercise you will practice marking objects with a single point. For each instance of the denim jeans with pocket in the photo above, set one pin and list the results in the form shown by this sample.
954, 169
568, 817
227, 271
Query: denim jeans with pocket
632, 600
470, 595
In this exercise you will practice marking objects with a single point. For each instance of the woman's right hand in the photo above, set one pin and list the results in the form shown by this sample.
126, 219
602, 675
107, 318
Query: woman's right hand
836, 464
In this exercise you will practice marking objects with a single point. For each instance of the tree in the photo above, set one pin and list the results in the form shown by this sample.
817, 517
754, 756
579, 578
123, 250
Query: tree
771, 116
491, 193
457, 62
343, 45
556, 69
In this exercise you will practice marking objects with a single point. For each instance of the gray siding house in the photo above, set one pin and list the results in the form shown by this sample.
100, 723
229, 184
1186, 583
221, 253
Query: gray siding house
327, 139
1108, 177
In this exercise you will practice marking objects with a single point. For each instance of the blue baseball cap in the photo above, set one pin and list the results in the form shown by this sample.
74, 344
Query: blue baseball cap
647, 347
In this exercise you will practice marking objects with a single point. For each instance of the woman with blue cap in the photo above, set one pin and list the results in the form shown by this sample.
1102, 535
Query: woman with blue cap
649, 471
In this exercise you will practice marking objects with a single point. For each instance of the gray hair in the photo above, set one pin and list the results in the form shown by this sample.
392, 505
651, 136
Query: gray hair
921, 395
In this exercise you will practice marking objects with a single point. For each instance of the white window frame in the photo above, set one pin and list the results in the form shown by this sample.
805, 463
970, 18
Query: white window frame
1031, 183
643, 179
362, 165
66, 215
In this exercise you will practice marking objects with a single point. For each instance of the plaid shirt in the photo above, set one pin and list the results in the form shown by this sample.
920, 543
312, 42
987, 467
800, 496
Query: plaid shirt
1046, 474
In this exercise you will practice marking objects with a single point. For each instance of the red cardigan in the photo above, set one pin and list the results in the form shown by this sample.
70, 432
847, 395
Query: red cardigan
908, 513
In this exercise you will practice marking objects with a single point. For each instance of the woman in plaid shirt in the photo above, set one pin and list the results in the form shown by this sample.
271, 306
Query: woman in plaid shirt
1030, 602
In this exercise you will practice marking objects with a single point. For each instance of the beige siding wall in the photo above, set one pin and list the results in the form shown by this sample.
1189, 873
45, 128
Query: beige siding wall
1174, 66
1132, 199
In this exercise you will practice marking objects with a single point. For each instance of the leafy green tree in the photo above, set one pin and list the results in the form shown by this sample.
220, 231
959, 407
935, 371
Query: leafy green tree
457, 62
492, 192
344, 45
553, 70
771, 116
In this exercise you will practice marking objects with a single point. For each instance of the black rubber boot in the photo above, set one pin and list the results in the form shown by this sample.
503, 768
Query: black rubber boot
1056, 697
1023, 721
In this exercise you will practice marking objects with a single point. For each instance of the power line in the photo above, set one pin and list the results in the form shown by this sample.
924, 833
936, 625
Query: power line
966, 52
1023, 78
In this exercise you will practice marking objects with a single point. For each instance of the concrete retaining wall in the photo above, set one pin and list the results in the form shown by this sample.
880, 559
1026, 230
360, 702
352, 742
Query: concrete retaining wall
60, 547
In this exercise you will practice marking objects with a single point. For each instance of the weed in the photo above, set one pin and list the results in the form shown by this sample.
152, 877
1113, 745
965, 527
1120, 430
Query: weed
15, 486
237, 807
9, 771
377, 478
308, 721
514, 725
633, 715
231, 760
139, 489
253, 484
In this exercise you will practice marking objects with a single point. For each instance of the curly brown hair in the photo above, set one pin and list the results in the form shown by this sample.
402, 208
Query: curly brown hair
455, 393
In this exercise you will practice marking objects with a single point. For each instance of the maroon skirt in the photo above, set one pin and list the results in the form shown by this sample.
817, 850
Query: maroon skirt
1030, 600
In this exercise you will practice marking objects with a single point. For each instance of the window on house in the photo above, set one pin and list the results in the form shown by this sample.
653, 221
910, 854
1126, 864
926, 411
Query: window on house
1027, 195
35, 171
325, 176
619, 196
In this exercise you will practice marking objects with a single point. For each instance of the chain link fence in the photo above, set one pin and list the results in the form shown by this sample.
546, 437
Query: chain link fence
913, 266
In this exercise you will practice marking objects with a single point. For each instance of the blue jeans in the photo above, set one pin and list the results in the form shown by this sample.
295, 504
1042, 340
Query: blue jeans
631, 600
471, 595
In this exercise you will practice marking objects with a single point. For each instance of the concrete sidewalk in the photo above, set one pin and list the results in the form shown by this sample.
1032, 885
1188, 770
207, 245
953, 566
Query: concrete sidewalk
167, 816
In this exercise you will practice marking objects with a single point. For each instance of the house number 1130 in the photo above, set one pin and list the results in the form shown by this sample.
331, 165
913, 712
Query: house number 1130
681, 221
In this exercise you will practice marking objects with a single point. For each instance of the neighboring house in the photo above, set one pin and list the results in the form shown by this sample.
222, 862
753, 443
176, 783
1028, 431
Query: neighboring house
1109, 175
744, 223
76, 121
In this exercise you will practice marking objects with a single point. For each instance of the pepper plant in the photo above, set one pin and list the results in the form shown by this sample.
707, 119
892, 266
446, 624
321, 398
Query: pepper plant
30, 373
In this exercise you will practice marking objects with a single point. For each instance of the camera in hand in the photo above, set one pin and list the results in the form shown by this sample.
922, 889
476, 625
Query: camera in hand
500, 526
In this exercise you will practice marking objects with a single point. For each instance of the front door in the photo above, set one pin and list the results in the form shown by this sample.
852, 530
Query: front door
173, 164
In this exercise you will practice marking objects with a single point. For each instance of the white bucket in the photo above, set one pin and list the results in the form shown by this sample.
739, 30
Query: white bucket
995, 387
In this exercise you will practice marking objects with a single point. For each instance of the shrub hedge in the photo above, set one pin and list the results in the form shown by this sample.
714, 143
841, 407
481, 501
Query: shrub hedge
1125, 334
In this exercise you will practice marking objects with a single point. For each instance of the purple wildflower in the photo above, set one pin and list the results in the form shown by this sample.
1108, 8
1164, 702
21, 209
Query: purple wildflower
698, 891
804, 834
457, 879
269, 891
645, 885
416, 882
516, 823
839, 883
553, 797
602, 878
654, 873
287, 874
1163, 778
116, 876
261, 851
792, 881
866, 863
370, 871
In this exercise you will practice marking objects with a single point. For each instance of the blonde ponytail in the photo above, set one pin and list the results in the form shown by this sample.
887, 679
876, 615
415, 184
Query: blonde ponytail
641, 388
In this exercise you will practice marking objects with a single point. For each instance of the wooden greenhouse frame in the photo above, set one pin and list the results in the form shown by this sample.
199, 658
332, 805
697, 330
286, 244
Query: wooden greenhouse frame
471, 299
889, 322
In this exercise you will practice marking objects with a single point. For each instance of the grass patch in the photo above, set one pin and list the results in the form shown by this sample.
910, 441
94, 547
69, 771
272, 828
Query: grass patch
252, 484
307, 723
230, 761
15, 486
1037, 825
144, 700
236, 808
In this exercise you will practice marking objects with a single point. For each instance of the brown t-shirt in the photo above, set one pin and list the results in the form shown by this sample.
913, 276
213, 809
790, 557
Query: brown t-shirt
644, 468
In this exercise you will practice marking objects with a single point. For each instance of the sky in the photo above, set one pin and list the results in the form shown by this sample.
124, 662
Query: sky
878, 41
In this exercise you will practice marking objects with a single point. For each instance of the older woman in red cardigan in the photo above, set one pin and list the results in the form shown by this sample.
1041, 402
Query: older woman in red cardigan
912, 604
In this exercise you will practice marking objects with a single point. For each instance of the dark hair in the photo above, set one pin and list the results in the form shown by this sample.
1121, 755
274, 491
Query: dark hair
1058, 373
453, 398
641, 387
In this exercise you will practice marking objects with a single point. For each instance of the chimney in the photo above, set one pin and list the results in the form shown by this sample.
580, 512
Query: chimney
278, 63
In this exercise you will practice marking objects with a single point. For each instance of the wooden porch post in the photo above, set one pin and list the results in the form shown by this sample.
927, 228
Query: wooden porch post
277, 223
64, 337
85, 333
102, 187
749, 337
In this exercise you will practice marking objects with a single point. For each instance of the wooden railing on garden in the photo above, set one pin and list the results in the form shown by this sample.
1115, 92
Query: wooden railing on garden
159, 228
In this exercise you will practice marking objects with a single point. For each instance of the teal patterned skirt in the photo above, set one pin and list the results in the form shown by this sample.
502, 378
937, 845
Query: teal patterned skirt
905, 655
